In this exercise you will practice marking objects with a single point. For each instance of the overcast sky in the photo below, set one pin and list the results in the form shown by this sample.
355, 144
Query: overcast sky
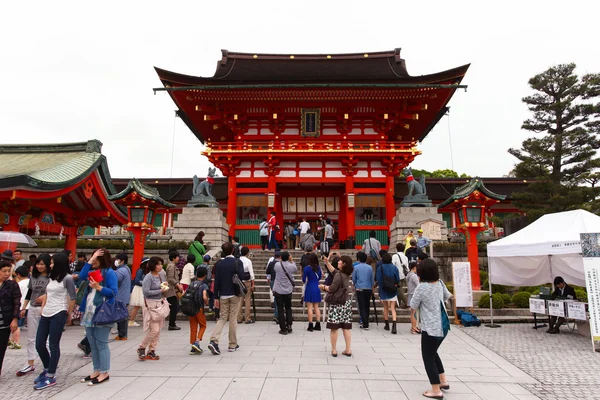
74, 71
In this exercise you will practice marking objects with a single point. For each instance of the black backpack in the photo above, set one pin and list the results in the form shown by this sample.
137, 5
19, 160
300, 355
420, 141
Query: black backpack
236, 250
189, 302
304, 260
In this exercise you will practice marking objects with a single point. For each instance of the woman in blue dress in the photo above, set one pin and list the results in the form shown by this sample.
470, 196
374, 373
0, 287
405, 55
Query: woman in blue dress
311, 276
388, 292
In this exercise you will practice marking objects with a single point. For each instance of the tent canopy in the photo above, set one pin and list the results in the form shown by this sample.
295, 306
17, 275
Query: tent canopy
547, 248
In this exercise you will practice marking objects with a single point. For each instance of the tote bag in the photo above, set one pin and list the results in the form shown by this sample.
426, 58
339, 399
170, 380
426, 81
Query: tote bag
158, 312
108, 314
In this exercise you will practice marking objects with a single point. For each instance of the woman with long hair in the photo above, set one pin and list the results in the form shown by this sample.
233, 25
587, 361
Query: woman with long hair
95, 294
339, 300
54, 313
311, 275
137, 294
428, 299
388, 279
36, 292
197, 248
155, 309
10, 305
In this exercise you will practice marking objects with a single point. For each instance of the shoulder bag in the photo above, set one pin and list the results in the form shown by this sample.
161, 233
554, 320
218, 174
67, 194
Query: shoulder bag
288, 275
372, 251
110, 313
239, 289
388, 283
445, 320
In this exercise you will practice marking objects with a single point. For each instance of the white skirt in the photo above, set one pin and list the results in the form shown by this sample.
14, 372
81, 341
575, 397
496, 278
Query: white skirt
137, 297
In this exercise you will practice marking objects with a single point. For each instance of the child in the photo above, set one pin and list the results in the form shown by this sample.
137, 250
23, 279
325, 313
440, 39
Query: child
22, 278
199, 285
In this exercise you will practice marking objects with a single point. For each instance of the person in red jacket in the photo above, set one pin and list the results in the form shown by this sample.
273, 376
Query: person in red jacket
273, 228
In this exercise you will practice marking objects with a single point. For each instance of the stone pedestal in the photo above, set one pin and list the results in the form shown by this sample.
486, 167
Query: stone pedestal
413, 218
207, 219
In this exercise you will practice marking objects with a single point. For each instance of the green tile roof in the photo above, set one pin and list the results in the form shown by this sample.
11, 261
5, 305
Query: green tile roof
147, 192
50, 166
468, 188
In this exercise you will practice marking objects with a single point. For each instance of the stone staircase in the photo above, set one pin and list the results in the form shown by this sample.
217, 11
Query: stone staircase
264, 310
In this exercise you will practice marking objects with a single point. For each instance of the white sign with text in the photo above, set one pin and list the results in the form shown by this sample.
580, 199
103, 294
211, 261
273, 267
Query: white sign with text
463, 290
537, 306
576, 310
556, 308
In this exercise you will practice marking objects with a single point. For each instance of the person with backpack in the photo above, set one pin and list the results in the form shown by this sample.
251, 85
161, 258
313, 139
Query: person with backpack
192, 305
429, 299
388, 279
226, 298
263, 229
412, 253
401, 262
124, 291
308, 241
363, 280
311, 275
271, 279
237, 247
372, 247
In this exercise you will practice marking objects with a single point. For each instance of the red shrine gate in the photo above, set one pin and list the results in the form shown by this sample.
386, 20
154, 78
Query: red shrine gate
305, 135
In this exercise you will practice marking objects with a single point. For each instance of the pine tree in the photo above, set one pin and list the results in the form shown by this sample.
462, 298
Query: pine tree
562, 156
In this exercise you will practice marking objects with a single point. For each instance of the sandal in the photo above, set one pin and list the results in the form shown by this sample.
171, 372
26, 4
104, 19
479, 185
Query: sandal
334, 353
95, 381
445, 386
347, 354
430, 395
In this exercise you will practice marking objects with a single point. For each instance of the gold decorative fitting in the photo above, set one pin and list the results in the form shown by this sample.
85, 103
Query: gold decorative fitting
345, 116
366, 55
235, 117
328, 56
292, 57
255, 56
385, 116
155, 181
274, 115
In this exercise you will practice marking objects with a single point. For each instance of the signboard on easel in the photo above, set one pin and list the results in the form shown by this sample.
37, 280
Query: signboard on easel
463, 291
590, 248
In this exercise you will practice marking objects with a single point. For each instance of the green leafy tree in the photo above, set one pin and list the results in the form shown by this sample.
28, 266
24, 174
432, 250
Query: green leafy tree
561, 157
438, 173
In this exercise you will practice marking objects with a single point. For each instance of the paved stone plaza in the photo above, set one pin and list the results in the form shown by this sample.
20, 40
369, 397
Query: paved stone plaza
298, 366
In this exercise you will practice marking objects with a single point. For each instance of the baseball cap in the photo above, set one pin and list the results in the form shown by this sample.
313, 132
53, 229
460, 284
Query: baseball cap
420, 231
206, 257
277, 254
145, 260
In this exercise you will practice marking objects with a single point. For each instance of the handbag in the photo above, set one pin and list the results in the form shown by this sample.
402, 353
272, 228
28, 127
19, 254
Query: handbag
339, 296
108, 314
160, 311
388, 284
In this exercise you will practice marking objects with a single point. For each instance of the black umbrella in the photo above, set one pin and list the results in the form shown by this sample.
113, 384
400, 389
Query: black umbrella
375, 308
253, 305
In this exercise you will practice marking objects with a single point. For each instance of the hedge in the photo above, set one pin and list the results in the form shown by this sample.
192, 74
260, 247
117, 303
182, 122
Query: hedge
581, 295
521, 299
497, 301
111, 244
506, 298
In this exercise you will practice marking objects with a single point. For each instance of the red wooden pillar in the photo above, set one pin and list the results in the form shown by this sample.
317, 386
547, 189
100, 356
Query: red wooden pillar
473, 255
279, 216
71, 241
350, 212
390, 203
231, 203
344, 219
139, 244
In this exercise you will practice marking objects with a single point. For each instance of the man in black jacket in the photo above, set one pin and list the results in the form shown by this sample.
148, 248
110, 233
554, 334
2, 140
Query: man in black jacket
227, 302
562, 291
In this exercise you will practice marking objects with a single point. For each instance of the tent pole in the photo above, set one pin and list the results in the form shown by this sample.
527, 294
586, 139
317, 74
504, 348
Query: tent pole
551, 274
491, 324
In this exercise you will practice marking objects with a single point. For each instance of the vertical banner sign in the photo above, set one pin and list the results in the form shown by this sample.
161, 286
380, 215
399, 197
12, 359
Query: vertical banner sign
590, 248
463, 291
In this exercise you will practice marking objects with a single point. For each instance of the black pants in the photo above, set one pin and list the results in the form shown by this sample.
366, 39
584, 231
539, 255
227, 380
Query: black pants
85, 343
264, 241
431, 359
363, 297
554, 324
174, 306
284, 301
122, 327
4, 335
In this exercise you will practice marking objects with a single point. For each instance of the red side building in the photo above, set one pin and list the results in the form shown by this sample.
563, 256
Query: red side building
309, 135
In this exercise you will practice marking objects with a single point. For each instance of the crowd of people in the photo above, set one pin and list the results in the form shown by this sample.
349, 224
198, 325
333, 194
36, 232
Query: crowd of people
54, 291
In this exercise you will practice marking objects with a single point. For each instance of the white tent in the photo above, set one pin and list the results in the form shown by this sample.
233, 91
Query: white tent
547, 248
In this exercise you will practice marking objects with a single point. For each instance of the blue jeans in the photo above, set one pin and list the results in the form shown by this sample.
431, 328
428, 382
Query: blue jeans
98, 338
273, 242
50, 329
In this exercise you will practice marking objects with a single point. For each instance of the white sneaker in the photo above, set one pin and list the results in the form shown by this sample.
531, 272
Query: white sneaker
133, 323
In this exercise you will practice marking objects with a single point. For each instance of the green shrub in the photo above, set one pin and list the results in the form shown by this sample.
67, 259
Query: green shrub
521, 299
495, 288
497, 301
483, 277
506, 298
581, 295
450, 287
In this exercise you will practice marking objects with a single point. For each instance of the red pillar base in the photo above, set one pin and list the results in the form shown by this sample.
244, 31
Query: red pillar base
473, 256
71, 244
139, 245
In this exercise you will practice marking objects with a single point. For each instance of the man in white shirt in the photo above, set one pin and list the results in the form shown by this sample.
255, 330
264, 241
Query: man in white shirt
248, 279
304, 227
18, 256
401, 262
